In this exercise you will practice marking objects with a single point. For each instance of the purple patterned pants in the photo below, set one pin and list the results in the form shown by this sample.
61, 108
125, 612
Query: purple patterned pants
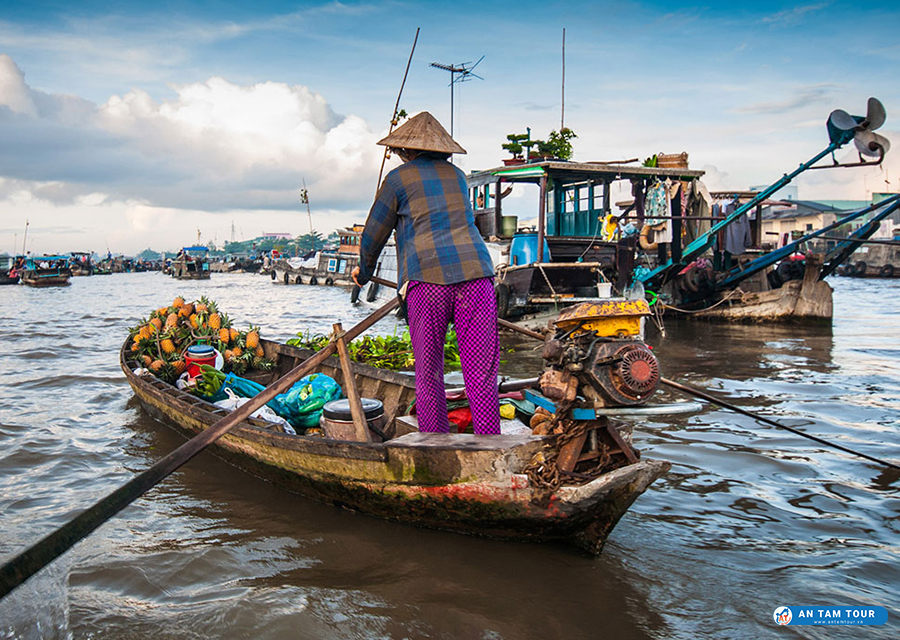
472, 308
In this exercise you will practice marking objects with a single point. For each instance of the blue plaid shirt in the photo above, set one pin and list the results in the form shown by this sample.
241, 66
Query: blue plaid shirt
426, 202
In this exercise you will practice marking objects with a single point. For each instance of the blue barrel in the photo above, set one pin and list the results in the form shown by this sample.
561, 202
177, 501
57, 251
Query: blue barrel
524, 249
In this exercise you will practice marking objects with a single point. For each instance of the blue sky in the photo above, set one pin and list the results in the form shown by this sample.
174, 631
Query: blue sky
138, 124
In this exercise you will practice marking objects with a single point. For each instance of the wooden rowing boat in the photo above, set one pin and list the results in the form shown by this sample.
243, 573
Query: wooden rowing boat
461, 482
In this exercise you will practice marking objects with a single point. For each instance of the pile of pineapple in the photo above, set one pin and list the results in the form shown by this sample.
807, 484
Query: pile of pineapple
160, 341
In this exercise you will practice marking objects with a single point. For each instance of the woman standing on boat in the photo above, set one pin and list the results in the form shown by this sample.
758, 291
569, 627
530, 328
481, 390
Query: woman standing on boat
444, 271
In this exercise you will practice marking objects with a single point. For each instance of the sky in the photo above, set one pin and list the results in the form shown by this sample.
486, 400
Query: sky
134, 125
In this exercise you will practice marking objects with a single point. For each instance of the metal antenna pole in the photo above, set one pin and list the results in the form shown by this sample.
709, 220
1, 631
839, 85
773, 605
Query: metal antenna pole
304, 197
452, 82
465, 73
25, 240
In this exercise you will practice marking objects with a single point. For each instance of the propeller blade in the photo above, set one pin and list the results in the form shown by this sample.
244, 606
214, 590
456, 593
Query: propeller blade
871, 144
875, 114
840, 119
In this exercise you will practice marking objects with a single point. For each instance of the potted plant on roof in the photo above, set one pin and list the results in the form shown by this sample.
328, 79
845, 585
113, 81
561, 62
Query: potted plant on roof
559, 145
515, 147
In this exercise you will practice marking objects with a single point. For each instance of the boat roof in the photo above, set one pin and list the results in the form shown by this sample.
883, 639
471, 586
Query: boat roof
569, 172
50, 258
195, 249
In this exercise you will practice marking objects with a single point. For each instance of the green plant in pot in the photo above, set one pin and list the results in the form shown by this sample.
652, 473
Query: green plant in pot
515, 146
559, 143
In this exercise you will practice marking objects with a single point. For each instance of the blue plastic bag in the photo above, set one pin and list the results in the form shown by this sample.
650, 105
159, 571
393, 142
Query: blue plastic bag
301, 405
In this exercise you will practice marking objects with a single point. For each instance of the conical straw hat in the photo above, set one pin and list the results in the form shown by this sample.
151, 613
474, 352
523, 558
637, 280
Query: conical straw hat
422, 132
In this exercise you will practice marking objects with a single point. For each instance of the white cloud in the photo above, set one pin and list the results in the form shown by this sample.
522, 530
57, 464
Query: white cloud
14, 93
215, 145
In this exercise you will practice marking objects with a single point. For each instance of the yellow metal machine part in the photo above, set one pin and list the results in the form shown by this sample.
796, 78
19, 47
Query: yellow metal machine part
608, 319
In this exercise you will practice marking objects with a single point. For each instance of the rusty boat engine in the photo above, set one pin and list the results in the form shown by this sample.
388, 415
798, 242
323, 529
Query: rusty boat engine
598, 353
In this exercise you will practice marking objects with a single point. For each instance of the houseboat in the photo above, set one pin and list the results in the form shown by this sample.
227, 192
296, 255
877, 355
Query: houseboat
696, 253
331, 266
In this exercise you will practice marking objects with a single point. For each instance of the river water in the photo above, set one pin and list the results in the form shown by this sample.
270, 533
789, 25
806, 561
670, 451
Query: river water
750, 517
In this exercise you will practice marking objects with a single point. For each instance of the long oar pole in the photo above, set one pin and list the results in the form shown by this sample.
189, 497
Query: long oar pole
397, 106
36, 557
727, 405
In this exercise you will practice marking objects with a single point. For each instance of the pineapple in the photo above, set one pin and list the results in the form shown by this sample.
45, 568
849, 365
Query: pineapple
179, 366
252, 340
224, 335
156, 325
147, 360
171, 321
201, 308
194, 321
237, 352
234, 333
215, 321
259, 352
178, 302
156, 365
186, 310
228, 355
168, 346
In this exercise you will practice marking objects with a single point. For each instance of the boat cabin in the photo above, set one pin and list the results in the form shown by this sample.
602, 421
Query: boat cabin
575, 249
349, 239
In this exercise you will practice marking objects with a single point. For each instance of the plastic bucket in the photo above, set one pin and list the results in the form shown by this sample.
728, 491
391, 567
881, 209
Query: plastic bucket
337, 419
523, 249
509, 225
197, 355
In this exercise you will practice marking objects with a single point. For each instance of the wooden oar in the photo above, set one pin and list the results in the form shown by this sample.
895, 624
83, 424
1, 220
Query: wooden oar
727, 405
36, 557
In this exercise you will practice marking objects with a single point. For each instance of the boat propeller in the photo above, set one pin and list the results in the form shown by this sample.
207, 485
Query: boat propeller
842, 128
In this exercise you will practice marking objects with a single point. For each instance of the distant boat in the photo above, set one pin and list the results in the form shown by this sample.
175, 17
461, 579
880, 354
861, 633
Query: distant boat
8, 273
191, 264
46, 271
80, 264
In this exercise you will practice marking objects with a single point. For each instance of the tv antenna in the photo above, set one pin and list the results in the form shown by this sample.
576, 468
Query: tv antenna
304, 199
458, 73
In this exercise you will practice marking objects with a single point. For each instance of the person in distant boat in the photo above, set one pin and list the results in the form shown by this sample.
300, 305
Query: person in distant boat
444, 271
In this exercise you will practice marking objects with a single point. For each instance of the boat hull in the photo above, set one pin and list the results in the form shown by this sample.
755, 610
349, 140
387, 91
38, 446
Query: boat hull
38, 279
807, 300
462, 483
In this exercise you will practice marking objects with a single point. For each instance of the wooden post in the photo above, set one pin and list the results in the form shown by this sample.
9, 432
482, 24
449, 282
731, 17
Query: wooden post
498, 208
360, 425
542, 219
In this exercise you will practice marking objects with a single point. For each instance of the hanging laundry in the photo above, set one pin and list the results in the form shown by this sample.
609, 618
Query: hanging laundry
655, 204
738, 237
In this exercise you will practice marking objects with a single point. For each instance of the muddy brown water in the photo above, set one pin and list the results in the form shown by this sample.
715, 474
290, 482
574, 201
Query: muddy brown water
750, 518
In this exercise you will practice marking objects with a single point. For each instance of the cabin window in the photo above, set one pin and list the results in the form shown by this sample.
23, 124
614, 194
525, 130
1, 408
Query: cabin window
343, 267
332, 264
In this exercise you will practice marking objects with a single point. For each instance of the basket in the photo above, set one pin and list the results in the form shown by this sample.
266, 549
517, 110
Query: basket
672, 160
